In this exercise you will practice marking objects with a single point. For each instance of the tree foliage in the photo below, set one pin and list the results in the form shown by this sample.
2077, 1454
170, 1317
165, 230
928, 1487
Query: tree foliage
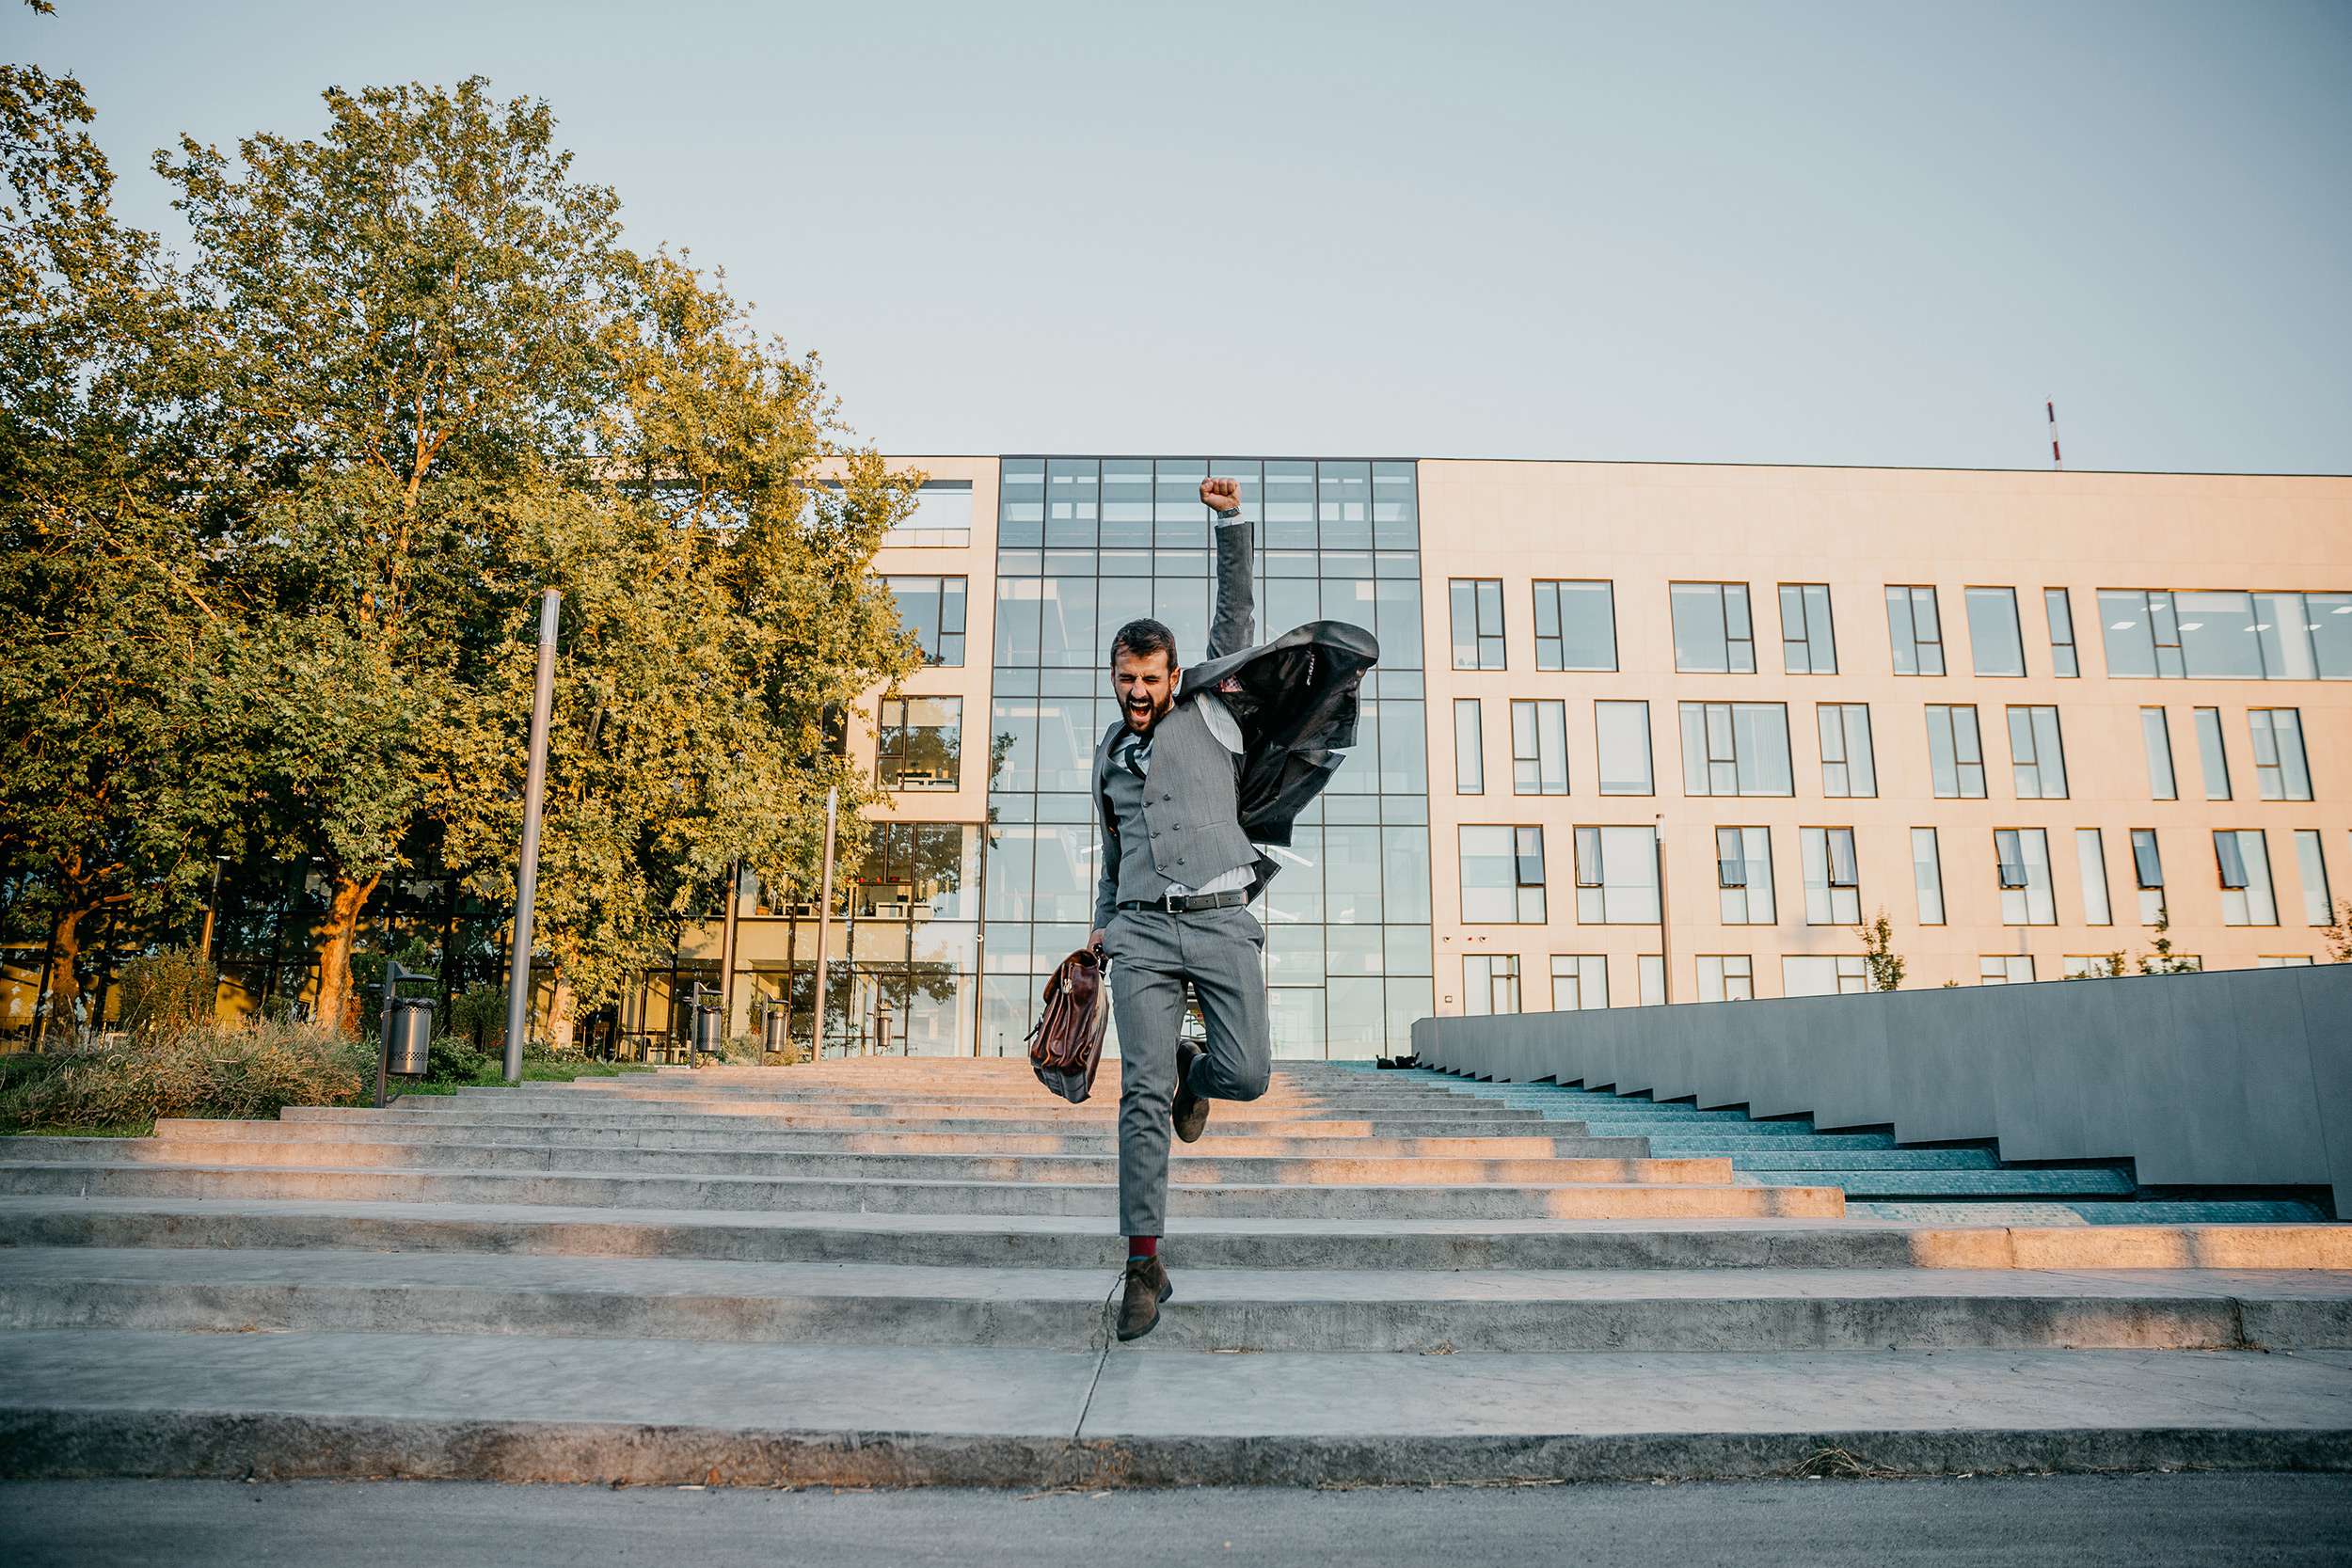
277, 518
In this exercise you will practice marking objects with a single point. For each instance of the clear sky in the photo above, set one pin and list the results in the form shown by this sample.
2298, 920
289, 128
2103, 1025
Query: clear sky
1811, 234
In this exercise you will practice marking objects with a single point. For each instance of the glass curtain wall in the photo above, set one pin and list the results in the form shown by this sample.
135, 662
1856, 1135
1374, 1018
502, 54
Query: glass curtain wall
1087, 543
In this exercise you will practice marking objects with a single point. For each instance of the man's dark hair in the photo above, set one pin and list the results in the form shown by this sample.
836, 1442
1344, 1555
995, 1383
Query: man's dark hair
1143, 637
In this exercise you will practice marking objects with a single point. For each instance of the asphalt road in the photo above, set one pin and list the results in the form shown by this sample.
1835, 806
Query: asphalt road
2066, 1522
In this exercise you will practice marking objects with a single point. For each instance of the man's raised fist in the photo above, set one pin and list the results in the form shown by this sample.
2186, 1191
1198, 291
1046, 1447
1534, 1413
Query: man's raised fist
1221, 495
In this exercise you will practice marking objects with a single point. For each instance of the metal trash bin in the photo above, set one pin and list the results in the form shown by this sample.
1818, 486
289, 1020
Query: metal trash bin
775, 1030
708, 1031
410, 1040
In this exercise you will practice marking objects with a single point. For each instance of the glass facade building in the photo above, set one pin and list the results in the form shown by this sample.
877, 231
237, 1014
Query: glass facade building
1085, 545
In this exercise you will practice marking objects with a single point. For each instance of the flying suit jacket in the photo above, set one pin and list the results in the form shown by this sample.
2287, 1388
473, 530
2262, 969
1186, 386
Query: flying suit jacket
1294, 699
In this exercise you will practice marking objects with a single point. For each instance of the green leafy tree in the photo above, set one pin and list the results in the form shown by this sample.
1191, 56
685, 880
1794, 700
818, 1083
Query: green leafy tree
1878, 951
397, 326
118, 644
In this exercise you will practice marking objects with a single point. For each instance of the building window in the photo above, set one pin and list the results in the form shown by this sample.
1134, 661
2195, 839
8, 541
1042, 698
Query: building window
1491, 983
1808, 642
2214, 761
1845, 765
1735, 748
1837, 975
1540, 747
1993, 640
1623, 730
1955, 751
942, 518
2148, 875
1579, 981
2243, 858
1650, 972
2060, 610
2022, 862
2004, 969
1617, 876
1833, 879
2226, 634
1470, 747
1576, 625
1914, 631
2093, 966
2091, 860
2284, 960
2155, 732
2037, 760
2312, 863
932, 609
1712, 632
1503, 875
2280, 767
1926, 876
1477, 623
918, 742
1743, 875
1726, 977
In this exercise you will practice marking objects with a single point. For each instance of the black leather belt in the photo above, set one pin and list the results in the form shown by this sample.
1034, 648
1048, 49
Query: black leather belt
1189, 903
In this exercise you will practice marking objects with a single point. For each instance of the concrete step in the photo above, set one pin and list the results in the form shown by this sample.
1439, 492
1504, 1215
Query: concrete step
1102, 1126
1057, 1241
1586, 1201
1853, 1159
1498, 1145
1753, 1310
1196, 1169
518, 1408
2094, 1181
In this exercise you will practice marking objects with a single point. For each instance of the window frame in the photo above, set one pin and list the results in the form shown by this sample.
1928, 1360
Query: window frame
1961, 765
1985, 594
1470, 761
2058, 612
1485, 594
2038, 742
1678, 591
1809, 597
1543, 720
1852, 754
1908, 648
1557, 637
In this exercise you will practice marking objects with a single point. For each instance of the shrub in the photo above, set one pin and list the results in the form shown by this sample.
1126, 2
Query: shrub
168, 991
210, 1072
477, 1015
452, 1060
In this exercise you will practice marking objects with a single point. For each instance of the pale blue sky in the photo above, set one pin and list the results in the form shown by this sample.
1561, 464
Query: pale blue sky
1813, 234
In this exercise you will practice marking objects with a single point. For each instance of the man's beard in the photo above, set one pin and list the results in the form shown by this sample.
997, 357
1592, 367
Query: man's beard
1141, 716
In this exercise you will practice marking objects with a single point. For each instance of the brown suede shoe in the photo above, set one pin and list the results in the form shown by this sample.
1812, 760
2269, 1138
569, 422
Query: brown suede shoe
1190, 1112
1146, 1287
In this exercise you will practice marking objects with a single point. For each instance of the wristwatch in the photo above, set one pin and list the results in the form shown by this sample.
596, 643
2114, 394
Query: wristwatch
1229, 515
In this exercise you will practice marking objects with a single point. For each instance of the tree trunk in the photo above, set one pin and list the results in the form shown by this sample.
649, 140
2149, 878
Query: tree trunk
64, 989
335, 934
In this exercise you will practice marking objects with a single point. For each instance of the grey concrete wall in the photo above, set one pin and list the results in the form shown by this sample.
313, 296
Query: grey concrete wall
2238, 1078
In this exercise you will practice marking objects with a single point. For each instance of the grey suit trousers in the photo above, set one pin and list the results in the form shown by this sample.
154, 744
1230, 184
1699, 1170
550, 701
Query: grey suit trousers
1152, 953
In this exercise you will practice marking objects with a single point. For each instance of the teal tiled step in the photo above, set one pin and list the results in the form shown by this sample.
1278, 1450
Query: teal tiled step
2104, 1181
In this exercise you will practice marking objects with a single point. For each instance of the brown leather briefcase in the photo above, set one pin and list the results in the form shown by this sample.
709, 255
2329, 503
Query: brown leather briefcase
1065, 1045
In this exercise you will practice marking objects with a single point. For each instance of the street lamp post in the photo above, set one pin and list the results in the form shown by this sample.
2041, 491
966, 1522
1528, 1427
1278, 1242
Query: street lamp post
527, 873
825, 924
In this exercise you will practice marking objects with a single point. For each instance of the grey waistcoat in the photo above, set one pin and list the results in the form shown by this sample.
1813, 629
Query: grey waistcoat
1180, 823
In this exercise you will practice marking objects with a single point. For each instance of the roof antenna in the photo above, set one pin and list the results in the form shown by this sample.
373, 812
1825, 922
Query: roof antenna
2050, 406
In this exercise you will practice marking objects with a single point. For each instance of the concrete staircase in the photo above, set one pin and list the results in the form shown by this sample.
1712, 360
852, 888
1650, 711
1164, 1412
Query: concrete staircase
1881, 1180
900, 1271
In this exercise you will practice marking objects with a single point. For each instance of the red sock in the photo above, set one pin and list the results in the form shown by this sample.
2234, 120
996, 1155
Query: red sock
1143, 1246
